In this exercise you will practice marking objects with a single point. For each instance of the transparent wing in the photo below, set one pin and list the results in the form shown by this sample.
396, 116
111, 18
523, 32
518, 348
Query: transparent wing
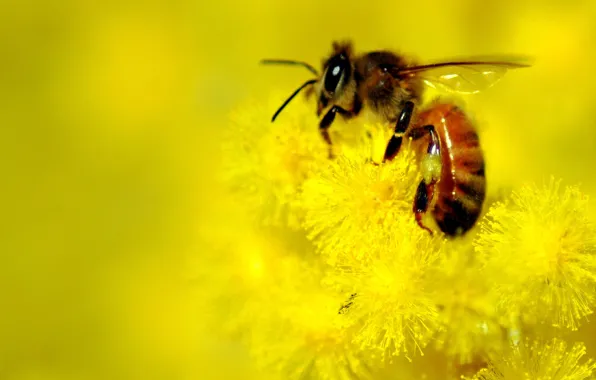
463, 77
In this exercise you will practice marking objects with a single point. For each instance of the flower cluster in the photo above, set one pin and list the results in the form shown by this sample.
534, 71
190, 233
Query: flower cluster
335, 279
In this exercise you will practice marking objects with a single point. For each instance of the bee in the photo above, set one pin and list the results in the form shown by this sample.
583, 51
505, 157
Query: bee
391, 86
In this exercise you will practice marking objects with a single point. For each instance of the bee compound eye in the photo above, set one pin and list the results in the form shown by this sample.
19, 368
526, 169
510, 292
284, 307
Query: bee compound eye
332, 78
337, 67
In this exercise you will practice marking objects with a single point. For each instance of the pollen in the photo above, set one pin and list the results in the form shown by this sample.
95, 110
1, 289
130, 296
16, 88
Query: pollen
539, 250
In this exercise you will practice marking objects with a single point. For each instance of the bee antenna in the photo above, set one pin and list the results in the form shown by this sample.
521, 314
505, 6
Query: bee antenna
308, 83
290, 62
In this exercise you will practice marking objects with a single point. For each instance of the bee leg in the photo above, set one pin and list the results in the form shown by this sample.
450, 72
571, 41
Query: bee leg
326, 123
424, 194
431, 171
400, 129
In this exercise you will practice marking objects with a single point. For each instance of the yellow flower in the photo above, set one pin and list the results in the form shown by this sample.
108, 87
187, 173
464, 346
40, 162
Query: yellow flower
539, 360
470, 326
266, 163
354, 207
232, 272
294, 328
391, 298
539, 252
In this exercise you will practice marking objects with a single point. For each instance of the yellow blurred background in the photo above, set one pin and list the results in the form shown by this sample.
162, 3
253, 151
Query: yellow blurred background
111, 117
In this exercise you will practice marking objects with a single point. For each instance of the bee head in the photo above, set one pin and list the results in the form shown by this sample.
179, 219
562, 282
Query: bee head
337, 73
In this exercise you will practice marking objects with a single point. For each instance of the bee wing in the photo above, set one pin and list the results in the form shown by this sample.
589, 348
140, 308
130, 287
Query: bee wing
463, 77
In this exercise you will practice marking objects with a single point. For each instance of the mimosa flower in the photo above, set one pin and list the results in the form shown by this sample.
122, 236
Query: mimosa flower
355, 207
266, 163
393, 301
539, 251
233, 275
294, 328
540, 361
466, 309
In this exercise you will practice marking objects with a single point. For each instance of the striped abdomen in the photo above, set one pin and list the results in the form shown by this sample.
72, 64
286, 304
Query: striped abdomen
461, 188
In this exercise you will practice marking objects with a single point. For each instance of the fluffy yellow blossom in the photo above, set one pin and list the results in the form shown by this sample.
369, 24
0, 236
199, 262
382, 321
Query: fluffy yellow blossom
229, 275
470, 326
266, 163
539, 251
392, 298
355, 207
539, 360
295, 330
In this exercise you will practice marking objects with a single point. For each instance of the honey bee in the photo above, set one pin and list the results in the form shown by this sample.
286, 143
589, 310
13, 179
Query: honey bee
391, 86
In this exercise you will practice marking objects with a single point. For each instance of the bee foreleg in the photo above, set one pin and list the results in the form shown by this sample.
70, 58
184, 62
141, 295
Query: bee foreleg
326, 123
400, 129
430, 167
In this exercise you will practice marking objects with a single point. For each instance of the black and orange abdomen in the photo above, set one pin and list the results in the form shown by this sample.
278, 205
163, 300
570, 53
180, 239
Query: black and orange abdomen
460, 191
